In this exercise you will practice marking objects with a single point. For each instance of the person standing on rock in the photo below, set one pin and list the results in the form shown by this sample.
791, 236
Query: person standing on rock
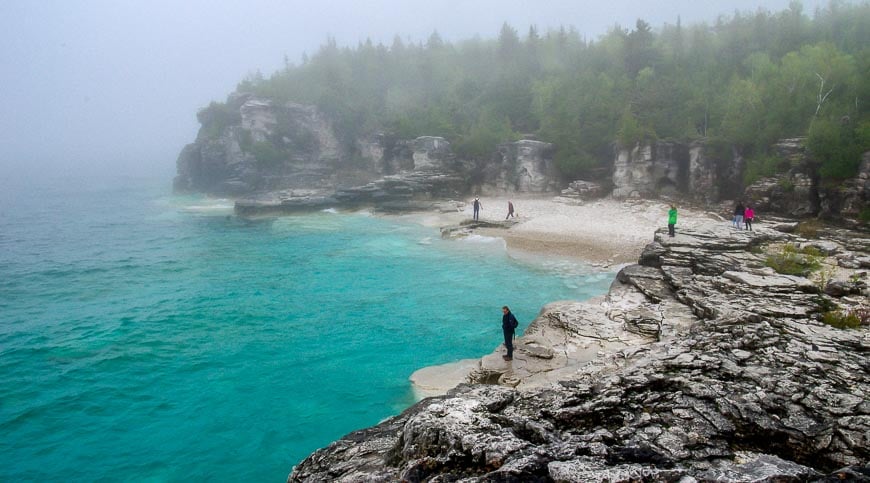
508, 325
672, 220
477, 205
739, 211
510, 210
748, 216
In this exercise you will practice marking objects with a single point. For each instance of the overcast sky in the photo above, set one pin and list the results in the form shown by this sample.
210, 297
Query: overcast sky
114, 85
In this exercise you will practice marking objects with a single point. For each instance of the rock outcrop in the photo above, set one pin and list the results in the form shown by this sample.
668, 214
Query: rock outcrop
254, 144
799, 191
261, 149
584, 190
849, 199
650, 169
793, 193
694, 170
524, 166
710, 173
707, 366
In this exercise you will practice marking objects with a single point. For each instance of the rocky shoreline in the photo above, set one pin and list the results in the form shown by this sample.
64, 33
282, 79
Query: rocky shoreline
701, 363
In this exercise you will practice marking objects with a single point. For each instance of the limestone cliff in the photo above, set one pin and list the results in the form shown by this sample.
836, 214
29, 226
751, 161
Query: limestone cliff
674, 169
524, 166
286, 156
254, 146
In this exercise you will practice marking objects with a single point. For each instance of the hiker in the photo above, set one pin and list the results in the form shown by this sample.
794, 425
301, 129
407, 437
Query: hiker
672, 220
508, 325
510, 210
748, 217
477, 206
739, 210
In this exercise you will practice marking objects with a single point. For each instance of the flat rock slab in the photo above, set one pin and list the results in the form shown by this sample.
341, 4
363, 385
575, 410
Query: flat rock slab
771, 281
436, 380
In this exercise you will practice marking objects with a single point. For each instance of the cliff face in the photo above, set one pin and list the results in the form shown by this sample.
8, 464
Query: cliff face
711, 174
676, 169
255, 145
268, 146
524, 166
251, 146
717, 370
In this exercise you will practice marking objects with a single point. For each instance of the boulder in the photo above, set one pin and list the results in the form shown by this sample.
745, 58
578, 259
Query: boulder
584, 190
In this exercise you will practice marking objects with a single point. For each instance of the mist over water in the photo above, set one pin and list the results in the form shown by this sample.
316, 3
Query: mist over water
147, 336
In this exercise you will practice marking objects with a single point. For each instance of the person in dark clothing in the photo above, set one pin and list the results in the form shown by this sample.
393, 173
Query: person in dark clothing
738, 216
508, 325
477, 205
510, 210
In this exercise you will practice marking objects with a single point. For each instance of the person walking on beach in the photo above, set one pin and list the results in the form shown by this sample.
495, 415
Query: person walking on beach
477, 205
510, 210
672, 220
508, 325
748, 216
738, 216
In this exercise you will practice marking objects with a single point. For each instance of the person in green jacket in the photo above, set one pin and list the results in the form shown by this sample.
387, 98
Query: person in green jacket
672, 220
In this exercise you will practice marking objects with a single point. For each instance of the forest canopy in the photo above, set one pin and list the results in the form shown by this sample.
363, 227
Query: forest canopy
746, 80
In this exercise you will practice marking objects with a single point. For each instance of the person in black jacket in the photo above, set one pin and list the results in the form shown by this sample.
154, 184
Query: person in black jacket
508, 325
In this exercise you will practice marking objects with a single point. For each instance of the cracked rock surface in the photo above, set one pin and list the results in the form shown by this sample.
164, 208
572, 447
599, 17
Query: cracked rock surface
708, 368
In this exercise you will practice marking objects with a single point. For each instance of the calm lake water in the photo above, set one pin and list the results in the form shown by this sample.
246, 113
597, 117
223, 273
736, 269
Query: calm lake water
146, 336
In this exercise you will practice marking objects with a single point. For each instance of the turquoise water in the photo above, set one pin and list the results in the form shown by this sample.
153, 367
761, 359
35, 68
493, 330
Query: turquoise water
146, 337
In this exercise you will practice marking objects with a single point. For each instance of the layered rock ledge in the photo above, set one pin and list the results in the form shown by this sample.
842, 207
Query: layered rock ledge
701, 364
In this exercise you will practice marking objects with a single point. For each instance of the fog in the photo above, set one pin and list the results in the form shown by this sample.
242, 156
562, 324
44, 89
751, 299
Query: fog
112, 87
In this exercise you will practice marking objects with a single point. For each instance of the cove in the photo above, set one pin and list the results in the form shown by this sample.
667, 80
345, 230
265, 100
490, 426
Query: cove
165, 339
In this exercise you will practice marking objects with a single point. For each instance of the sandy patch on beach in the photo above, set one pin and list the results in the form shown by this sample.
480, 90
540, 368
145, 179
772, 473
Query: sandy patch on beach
604, 231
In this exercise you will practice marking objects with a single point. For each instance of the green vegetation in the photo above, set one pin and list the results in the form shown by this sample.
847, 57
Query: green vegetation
762, 167
215, 118
793, 261
809, 228
267, 154
839, 146
865, 215
745, 81
842, 319
787, 185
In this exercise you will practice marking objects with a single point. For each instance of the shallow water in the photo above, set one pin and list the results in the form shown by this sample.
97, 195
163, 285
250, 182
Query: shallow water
151, 337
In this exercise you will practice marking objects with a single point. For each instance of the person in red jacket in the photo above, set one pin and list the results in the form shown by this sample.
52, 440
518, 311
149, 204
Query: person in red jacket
748, 215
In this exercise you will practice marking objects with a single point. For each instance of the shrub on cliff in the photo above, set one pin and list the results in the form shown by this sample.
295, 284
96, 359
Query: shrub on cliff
216, 118
267, 155
763, 166
846, 319
791, 260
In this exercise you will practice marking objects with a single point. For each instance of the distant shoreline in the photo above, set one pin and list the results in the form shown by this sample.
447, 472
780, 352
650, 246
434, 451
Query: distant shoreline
602, 232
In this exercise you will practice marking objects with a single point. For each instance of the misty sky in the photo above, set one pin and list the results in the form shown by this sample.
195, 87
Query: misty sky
114, 85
